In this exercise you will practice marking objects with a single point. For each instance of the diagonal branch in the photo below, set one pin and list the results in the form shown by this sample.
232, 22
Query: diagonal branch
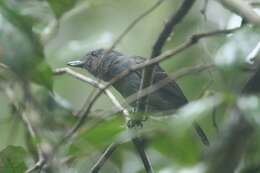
193, 40
31, 131
175, 19
112, 147
131, 25
105, 156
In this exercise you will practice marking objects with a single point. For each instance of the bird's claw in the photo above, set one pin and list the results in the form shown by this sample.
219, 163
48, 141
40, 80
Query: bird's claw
135, 123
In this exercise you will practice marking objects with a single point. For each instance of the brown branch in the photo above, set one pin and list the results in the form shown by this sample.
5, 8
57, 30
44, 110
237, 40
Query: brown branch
175, 19
94, 83
193, 40
140, 149
131, 25
105, 156
179, 74
111, 148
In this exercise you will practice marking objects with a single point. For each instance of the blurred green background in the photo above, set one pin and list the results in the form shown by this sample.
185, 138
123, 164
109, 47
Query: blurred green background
70, 29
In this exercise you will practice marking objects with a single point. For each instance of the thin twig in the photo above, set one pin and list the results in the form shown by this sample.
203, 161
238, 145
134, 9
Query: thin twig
140, 149
131, 25
203, 11
193, 40
9, 93
105, 156
111, 148
175, 19
179, 74
3, 66
94, 83
203, 137
214, 119
243, 9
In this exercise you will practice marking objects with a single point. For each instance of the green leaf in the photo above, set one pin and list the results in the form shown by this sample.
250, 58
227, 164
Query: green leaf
100, 136
60, 7
12, 160
21, 50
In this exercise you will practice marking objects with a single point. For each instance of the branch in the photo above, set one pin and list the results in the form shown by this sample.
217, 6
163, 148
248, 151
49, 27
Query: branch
105, 156
131, 25
110, 149
179, 74
31, 131
203, 11
175, 19
140, 149
193, 40
3, 66
94, 83
243, 9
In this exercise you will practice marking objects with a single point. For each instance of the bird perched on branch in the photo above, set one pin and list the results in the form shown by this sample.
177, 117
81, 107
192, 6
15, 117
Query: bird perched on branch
107, 66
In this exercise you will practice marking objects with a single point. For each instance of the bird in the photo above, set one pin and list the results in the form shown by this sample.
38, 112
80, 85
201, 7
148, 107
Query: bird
106, 65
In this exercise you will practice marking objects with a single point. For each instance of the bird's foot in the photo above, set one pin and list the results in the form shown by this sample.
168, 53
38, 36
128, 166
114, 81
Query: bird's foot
136, 122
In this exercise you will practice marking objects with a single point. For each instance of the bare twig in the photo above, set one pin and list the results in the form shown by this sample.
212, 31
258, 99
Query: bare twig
3, 66
243, 9
193, 40
214, 119
107, 92
203, 137
179, 74
95, 84
203, 11
175, 19
110, 149
105, 156
140, 149
131, 25
9, 93
37, 166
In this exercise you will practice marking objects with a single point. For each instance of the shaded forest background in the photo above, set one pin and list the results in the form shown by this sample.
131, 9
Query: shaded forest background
37, 37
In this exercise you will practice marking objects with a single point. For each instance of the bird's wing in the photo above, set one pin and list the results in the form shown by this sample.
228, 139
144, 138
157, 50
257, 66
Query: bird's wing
170, 91
172, 87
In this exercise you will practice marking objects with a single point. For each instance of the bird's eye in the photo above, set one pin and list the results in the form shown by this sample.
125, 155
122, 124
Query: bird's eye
94, 53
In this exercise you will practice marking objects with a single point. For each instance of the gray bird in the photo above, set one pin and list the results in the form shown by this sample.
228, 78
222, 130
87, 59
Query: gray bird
169, 97
106, 66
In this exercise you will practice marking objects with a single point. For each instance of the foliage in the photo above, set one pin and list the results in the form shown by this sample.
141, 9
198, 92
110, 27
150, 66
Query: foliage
48, 106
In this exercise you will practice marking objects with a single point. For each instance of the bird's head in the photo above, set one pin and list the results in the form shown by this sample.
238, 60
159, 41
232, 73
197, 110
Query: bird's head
96, 62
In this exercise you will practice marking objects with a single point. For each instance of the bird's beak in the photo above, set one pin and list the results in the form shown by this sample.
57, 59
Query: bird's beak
77, 63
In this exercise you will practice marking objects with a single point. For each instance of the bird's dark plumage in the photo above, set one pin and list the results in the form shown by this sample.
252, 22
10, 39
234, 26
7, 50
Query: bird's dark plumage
107, 66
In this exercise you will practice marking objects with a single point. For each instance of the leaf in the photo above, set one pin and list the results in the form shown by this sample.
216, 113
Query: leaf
21, 51
100, 136
12, 160
183, 149
60, 7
